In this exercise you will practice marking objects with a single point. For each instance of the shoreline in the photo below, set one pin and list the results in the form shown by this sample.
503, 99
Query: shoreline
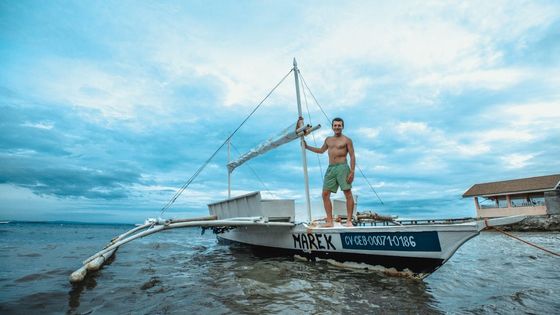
542, 223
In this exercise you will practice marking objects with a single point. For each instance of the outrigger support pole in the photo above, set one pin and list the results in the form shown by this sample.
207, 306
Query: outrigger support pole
303, 151
152, 226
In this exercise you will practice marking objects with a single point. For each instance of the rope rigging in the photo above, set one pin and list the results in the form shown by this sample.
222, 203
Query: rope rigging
203, 166
329, 121
519, 239
526, 242
191, 179
313, 135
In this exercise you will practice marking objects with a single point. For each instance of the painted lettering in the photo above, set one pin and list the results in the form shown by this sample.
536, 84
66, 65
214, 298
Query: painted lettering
304, 242
409, 241
297, 241
328, 239
319, 236
312, 241
348, 240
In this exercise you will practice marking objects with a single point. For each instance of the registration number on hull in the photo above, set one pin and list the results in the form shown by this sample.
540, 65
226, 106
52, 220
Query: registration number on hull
400, 241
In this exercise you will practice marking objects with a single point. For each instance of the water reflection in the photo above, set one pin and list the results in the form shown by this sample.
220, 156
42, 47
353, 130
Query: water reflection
75, 293
89, 283
282, 284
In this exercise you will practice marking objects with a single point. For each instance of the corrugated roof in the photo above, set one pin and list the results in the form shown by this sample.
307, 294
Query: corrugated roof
539, 183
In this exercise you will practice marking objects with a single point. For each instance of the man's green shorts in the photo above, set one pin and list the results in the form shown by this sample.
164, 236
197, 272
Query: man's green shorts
336, 176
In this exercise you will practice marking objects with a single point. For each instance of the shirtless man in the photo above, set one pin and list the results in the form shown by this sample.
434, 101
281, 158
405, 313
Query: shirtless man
338, 174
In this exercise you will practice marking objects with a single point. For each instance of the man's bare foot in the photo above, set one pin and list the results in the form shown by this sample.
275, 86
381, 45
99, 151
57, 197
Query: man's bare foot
349, 224
327, 225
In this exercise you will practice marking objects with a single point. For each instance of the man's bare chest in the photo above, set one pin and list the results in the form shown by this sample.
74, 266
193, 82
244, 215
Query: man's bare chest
335, 144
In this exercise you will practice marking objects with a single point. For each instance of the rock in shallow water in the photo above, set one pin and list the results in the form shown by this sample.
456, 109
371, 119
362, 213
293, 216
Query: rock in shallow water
536, 223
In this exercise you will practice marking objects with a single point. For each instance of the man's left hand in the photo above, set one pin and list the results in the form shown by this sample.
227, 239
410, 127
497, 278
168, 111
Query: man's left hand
350, 178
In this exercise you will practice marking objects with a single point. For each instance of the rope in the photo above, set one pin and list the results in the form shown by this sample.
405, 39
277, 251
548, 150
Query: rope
329, 121
191, 179
370, 186
522, 240
312, 134
314, 98
255, 173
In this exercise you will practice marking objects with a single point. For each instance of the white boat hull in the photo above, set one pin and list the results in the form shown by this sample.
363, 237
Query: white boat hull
417, 249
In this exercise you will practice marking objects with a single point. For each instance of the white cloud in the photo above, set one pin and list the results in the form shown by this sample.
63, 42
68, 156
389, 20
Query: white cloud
426, 140
442, 45
495, 79
83, 84
320, 135
47, 125
380, 168
526, 122
411, 127
369, 156
472, 149
516, 160
504, 135
533, 113
109, 92
246, 75
429, 163
435, 44
20, 152
368, 132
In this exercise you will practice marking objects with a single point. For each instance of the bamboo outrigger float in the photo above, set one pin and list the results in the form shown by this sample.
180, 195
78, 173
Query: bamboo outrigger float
270, 225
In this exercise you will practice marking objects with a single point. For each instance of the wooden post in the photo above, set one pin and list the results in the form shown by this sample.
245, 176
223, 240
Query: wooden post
303, 150
508, 197
229, 172
476, 204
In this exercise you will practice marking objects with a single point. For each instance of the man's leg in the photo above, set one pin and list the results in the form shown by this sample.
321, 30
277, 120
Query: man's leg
328, 207
349, 206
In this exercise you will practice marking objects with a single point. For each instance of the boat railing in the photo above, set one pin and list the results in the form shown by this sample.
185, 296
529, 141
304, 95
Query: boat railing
515, 205
374, 219
435, 221
528, 204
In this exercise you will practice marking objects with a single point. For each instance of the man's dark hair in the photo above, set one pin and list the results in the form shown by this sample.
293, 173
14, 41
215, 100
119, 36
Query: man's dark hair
337, 119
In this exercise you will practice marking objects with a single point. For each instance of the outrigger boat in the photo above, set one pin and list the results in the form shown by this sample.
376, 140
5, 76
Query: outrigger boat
270, 226
409, 246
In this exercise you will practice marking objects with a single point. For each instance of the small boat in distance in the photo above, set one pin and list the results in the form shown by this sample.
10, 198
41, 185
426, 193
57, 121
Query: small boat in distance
269, 226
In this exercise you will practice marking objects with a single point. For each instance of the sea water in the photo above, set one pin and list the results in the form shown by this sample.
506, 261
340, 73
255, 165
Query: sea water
184, 272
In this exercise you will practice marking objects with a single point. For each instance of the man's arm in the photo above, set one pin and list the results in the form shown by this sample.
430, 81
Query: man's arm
320, 150
350, 147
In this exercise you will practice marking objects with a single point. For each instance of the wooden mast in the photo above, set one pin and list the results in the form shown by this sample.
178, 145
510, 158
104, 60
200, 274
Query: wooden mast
303, 150
229, 172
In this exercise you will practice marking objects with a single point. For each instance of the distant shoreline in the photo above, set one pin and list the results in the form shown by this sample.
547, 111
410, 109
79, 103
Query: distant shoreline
544, 223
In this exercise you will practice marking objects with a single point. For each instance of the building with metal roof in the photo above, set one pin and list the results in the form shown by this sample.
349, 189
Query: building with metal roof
527, 196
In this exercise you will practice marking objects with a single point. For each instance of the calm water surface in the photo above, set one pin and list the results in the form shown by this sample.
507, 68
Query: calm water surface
182, 271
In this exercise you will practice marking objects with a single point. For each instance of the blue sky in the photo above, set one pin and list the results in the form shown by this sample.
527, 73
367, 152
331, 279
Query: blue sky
108, 107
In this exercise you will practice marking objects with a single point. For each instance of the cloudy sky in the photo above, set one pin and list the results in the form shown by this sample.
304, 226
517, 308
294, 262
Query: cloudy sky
108, 107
